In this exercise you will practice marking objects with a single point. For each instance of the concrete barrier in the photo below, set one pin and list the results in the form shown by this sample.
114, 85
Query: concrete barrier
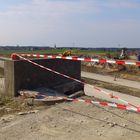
1, 63
21, 74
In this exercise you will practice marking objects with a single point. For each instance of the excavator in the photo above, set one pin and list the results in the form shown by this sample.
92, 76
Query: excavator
69, 52
123, 54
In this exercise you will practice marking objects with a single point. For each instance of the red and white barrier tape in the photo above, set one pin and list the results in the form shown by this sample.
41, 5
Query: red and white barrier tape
120, 62
66, 76
120, 106
45, 98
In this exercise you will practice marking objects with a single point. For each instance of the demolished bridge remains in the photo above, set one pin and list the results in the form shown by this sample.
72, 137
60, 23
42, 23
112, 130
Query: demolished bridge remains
19, 74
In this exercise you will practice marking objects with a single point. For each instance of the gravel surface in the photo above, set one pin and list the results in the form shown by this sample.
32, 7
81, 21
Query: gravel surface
71, 120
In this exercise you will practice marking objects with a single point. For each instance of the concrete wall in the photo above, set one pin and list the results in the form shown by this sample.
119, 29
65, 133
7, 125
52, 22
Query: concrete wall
2, 86
2, 79
1, 68
1, 63
23, 75
9, 76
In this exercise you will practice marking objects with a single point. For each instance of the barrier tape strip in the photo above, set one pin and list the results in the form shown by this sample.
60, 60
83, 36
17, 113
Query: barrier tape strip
120, 62
114, 105
66, 76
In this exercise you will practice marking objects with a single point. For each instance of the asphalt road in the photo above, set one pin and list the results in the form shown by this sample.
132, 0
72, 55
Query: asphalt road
105, 78
89, 91
110, 79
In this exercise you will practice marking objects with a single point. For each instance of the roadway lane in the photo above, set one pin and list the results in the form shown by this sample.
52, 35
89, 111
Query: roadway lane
110, 79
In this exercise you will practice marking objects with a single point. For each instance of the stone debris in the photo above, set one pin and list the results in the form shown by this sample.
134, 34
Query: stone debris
97, 131
8, 109
54, 126
105, 118
112, 124
99, 134
2, 109
107, 122
69, 131
28, 112
1, 103
103, 125
124, 125
6, 119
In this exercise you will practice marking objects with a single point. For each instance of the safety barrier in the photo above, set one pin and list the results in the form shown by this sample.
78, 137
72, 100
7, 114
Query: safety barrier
120, 62
14, 56
42, 97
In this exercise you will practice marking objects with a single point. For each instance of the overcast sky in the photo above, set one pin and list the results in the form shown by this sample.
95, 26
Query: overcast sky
75, 23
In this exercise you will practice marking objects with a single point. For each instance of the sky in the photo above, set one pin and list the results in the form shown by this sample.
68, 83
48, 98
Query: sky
70, 23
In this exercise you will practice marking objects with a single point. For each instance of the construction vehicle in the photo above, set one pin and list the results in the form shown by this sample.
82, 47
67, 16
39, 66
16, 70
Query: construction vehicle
123, 54
69, 52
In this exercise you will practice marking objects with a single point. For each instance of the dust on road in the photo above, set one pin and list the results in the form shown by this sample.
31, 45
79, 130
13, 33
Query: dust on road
72, 120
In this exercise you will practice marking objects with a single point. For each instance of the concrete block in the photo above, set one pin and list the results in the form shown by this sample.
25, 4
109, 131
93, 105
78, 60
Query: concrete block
1, 63
2, 86
21, 74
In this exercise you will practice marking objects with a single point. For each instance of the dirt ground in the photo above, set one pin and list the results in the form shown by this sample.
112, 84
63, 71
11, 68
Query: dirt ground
71, 120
